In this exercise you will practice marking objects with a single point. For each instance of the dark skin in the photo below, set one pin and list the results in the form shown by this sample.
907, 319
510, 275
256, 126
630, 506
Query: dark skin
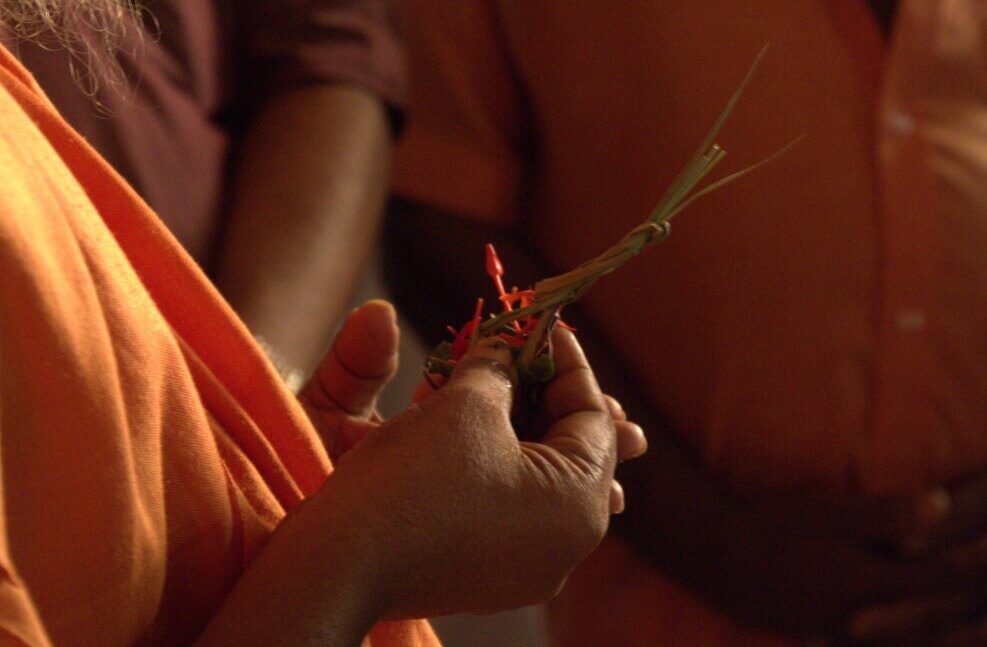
307, 197
853, 569
477, 522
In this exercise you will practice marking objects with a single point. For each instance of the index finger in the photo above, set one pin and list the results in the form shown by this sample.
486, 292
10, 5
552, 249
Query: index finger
580, 422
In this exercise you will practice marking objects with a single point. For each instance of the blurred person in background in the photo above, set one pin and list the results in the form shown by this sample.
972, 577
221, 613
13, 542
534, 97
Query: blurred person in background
159, 484
807, 348
261, 133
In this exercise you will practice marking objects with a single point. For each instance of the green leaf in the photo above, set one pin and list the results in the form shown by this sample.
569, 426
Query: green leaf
540, 370
733, 177
696, 168
438, 367
442, 351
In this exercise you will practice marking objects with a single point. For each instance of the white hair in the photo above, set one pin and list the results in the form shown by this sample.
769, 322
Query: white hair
92, 31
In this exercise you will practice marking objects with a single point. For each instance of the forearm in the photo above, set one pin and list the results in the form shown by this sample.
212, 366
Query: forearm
308, 192
310, 585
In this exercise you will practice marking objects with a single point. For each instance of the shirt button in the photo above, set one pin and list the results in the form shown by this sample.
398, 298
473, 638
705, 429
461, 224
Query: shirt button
900, 123
910, 320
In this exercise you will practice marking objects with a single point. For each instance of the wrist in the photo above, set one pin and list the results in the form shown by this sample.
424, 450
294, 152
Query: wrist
313, 583
345, 579
351, 546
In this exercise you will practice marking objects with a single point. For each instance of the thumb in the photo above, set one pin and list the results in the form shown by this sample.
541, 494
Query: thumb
362, 360
487, 368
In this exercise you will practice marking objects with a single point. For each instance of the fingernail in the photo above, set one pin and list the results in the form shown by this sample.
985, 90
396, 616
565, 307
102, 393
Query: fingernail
380, 303
643, 449
633, 444
492, 342
495, 349
617, 502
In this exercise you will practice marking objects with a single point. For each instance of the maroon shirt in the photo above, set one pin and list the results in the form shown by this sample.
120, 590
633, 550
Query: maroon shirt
170, 128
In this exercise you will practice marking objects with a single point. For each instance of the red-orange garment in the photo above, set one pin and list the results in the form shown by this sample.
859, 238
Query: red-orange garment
148, 449
820, 323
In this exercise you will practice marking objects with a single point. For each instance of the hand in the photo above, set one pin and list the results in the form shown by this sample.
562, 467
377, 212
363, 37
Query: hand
299, 589
957, 541
453, 513
796, 564
441, 509
341, 395
631, 441
844, 568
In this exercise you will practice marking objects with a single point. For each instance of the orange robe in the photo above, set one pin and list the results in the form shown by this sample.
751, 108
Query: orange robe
819, 323
147, 448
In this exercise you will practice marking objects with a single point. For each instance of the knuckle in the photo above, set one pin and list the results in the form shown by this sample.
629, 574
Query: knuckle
487, 371
472, 401
593, 454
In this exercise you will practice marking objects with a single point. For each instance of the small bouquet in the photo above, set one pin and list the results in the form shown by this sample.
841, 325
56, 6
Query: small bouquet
527, 317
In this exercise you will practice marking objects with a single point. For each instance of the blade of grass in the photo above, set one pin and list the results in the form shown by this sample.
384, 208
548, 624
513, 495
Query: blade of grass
733, 177
675, 200
680, 186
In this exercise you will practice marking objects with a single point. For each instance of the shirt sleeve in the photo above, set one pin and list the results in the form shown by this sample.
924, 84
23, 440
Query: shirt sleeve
287, 44
463, 144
